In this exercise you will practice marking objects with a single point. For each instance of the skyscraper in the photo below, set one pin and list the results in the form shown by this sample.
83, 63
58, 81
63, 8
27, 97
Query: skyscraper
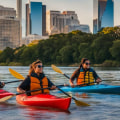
35, 18
19, 10
103, 14
43, 20
19, 15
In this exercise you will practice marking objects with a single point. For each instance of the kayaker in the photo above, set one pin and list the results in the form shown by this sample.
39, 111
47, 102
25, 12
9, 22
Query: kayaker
2, 84
84, 74
36, 79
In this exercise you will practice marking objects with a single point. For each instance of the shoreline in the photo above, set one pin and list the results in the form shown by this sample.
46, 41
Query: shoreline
111, 64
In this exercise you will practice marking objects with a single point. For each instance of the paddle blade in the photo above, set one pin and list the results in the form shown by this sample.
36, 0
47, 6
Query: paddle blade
16, 74
81, 103
6, 98
56, 69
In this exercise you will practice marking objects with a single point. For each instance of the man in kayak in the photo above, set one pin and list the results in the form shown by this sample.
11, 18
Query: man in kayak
84, 74
36, 80
2, 84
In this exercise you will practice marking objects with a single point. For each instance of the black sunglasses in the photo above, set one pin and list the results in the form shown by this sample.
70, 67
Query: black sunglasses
88, 63
40, 66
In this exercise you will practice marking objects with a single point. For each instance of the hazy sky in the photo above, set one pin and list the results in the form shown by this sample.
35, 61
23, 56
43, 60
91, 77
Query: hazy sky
83, 8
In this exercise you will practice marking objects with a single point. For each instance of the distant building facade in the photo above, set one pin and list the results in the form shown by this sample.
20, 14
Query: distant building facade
28, 39
57, 22
103, 14
35, 18
9, 28
19, 16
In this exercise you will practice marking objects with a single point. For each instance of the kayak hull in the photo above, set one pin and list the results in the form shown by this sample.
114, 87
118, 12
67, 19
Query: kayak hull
102, 88
44, 100
4, 93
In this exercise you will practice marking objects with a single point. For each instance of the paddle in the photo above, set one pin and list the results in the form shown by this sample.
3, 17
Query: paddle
16, 74
79, 103
59, 71
10, 96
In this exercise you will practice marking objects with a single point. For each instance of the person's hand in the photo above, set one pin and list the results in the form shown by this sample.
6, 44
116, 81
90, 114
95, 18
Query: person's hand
72, 85
66, 84
98, 80
22, 91
2, 84
19, 90
53, 87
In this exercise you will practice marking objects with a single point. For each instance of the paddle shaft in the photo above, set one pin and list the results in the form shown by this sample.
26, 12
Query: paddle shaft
32, 91
66, 93
66, 76
12, 81
10, 96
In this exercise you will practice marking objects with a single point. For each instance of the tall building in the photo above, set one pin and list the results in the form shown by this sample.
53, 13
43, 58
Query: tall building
67, 21
19, 10
19, 15
27, 20
35, 18
9, 28
44, 20
103, 14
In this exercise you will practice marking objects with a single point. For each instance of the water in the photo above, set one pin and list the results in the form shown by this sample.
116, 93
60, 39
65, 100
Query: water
103, 106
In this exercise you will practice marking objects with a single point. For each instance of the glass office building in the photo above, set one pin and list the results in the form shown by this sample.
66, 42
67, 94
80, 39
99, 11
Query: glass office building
103, 14
36, 17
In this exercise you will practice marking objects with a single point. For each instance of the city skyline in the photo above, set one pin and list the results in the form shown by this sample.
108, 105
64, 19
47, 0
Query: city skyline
84, 9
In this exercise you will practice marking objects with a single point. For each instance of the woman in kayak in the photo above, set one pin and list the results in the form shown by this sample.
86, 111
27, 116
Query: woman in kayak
36, 80
84, 74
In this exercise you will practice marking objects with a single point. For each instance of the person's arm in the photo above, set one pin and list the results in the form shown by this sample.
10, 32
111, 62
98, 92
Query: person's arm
74, 75
97, 78
50, 84
2, 84
24, 86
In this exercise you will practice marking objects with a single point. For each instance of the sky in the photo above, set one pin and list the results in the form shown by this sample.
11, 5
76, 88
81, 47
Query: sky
83, 8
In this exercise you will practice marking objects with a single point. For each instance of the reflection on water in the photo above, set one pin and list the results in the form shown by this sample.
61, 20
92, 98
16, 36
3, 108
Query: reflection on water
102, 106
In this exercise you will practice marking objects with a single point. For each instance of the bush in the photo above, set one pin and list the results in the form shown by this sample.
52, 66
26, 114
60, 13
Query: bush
110, 63
15, 64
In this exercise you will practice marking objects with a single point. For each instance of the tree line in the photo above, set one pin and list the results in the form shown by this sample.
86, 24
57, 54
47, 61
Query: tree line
66, 49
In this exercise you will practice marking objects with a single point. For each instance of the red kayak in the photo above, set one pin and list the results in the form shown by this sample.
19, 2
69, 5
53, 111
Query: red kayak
44, 100
4, 93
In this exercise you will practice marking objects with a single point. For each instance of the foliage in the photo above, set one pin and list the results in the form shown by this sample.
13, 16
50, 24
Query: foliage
115, 50
67, 49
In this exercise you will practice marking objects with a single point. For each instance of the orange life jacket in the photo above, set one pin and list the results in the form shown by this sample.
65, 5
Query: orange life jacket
85, 77
36, 84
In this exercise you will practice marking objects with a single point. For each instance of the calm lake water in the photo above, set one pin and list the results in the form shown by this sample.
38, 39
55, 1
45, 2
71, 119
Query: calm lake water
103, 107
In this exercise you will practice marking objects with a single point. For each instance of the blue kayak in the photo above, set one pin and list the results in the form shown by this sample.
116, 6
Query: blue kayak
101, 88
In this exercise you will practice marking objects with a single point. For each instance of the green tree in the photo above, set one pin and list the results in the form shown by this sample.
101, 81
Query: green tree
100, 47
115, 50
7, 55
66, 54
